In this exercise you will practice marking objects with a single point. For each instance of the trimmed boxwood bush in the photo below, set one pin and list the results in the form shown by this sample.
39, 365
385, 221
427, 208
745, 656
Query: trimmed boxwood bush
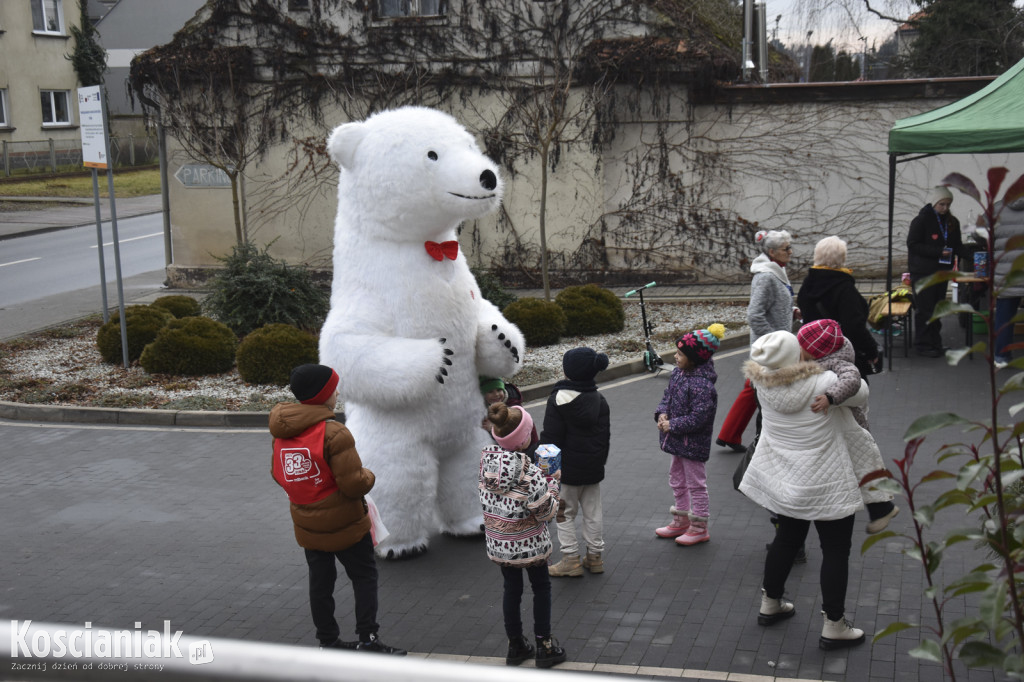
179, 306
268, 355
143, 322
542, 322
191, 346
590, 309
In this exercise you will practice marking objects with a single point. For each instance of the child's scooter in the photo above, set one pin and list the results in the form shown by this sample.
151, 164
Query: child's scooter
652, 361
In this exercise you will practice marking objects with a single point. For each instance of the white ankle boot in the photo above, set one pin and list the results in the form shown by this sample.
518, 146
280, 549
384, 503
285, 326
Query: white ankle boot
774, 610
836, 634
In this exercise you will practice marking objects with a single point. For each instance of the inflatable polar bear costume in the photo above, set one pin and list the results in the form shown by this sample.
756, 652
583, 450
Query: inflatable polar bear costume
408, 331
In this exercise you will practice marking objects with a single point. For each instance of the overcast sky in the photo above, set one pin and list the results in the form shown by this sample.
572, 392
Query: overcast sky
843, 20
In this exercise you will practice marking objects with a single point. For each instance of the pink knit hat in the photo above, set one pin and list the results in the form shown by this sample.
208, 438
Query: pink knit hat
519, 435
820, 338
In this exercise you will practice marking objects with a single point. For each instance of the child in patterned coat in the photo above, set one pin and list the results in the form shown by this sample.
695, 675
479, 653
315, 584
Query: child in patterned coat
517, 502
823, 341
686, 419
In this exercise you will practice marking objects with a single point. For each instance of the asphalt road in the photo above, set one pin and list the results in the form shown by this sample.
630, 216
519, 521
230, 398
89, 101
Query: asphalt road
38, 266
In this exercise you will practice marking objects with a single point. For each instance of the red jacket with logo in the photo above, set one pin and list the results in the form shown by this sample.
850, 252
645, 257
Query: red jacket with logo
337, 520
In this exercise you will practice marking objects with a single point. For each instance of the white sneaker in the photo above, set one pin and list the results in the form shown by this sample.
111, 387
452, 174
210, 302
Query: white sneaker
1001, 363
880, 524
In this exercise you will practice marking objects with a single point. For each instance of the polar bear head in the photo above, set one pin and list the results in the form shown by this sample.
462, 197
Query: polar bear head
413, 171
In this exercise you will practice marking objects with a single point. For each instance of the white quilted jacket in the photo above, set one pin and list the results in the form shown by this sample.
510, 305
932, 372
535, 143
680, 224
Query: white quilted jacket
803, 465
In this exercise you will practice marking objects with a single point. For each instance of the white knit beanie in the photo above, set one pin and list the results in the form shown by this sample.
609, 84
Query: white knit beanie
776, 350
937, 194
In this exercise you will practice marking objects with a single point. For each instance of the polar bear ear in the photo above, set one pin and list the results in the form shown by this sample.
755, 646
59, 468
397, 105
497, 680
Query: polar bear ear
342, 143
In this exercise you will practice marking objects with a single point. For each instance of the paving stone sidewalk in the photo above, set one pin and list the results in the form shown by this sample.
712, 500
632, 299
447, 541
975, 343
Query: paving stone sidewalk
115, 525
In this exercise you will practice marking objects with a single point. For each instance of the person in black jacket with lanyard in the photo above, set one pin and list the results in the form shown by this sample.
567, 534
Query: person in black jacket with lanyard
578, 421
932, 244
830, 292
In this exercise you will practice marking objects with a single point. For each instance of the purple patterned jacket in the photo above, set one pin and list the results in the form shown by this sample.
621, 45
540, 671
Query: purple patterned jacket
690, 402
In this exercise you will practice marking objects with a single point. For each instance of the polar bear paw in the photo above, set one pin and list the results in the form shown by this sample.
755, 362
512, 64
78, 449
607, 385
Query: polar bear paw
508, 344
445, 361
467, 528
402, 553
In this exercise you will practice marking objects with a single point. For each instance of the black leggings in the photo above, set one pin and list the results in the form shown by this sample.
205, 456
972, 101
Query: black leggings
836, 537
540, 582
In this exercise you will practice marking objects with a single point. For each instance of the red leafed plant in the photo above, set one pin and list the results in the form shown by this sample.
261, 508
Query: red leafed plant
983, 479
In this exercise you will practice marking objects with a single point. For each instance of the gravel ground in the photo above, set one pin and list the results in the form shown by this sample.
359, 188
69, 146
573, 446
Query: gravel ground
63, 367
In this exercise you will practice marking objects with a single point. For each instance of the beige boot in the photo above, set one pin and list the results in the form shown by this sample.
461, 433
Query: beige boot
569, 566
593, 563
774, 610
836, 634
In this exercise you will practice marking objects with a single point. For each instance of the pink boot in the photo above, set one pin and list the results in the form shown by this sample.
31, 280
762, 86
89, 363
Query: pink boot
680, 523
698, 532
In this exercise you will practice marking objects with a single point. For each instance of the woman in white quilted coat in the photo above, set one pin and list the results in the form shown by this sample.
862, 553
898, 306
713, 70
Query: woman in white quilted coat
802, 471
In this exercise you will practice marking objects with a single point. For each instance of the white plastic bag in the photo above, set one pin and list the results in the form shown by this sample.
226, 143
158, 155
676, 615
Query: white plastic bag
378, 532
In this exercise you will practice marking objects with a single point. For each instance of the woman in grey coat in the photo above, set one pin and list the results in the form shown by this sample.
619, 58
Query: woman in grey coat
770, 309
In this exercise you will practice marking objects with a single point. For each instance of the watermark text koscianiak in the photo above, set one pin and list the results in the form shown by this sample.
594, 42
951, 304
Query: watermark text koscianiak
28, 642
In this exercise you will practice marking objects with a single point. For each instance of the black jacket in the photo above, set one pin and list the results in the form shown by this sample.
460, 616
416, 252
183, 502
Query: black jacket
925, 242
833, 294
577, 420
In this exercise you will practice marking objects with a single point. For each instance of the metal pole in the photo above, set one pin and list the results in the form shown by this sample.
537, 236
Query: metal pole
113, 232
99, 243
117, 265
7, 160
888, 273
161, 136
53, 157
748, 23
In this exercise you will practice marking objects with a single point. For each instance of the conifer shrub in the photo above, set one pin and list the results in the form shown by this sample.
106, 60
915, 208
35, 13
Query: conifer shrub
256, 289
142, 323
492, 289
179, 306
191, 346
542, 322
591, 309
268, 354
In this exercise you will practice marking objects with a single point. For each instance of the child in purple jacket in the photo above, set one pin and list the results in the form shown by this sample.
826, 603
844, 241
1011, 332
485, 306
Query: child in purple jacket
686, 420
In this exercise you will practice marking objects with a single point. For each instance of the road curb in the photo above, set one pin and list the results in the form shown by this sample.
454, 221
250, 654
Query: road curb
73, 414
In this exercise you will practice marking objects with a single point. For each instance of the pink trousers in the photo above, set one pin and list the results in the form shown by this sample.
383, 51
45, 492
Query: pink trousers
690, 485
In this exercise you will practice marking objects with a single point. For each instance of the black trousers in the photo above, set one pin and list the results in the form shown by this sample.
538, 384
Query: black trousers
361, 568
540, 583
927, 335
836, 537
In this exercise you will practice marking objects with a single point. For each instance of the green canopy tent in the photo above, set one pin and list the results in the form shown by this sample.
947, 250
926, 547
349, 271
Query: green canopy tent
989, 121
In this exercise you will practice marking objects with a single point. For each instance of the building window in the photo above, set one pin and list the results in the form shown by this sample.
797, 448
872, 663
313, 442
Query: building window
55, 107
4, 121
387, 9
47, 16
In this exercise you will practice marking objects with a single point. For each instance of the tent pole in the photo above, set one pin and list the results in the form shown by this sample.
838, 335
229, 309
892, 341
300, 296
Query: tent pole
888, 275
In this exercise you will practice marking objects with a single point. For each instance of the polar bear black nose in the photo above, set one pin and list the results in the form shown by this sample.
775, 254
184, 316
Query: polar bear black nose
488, 180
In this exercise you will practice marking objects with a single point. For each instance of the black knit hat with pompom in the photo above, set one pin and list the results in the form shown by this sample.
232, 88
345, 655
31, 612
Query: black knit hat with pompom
583, 364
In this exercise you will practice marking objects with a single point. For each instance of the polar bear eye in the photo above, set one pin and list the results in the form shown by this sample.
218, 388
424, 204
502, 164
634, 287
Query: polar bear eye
432, 156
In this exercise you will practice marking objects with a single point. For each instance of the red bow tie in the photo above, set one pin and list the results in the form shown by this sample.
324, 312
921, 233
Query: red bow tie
443, 250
